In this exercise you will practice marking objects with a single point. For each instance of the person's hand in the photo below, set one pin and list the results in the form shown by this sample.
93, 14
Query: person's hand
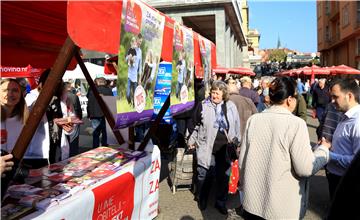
192, 146
238, 151
6, 163
68, 127
325, 143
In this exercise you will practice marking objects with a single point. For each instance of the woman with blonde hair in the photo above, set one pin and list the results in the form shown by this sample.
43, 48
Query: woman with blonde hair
14, 112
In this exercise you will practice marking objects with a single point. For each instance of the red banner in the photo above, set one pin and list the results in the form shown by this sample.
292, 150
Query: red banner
115, 199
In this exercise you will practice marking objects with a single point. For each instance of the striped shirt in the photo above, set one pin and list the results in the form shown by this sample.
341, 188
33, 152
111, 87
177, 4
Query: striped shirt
330, 120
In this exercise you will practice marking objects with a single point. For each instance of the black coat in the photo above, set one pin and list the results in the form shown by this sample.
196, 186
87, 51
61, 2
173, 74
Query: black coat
93, 108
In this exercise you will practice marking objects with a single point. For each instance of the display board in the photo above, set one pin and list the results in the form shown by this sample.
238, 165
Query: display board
139, 56
182, 85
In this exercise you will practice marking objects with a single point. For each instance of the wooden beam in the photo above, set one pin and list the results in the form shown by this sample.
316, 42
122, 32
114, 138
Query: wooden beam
108, 115
55, 77
155, 124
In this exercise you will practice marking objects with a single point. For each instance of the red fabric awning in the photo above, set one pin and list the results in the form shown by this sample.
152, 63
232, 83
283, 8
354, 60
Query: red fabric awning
343, 69
242, 71
220, 70
32, 32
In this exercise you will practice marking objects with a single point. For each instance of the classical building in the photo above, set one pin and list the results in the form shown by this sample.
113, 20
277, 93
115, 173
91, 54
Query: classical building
218, 20
338, 28
253, 38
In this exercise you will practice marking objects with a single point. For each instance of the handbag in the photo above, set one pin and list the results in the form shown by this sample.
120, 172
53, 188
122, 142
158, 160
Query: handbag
231, 148
232, 145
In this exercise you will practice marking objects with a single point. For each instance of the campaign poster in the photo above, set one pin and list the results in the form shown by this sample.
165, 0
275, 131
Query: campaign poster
205, 54
163, 89
138, 59
182, 85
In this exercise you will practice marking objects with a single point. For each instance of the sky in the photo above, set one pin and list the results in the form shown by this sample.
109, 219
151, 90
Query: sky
293, 21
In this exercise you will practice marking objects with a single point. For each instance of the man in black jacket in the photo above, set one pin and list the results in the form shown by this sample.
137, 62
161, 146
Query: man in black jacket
95, 113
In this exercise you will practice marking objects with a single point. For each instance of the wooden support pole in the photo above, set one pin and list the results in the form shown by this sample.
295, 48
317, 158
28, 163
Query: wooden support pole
55, 77
108, 115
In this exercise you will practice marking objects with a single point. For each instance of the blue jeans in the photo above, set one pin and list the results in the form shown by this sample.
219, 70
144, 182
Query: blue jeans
130, 90
99, 126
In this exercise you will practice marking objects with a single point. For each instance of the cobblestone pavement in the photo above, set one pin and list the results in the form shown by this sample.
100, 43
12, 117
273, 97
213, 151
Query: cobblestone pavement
181, 205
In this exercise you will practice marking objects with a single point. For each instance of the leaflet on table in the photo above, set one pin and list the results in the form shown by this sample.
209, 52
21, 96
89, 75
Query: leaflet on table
66, 178
13, 211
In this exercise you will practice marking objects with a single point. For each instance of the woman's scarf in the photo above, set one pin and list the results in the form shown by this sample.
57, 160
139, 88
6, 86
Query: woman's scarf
220, 120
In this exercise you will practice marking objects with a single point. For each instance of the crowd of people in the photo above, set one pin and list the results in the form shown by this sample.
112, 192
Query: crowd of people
267, 118
276, 158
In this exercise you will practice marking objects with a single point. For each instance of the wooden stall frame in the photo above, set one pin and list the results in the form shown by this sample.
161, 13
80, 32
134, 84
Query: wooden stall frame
67, 52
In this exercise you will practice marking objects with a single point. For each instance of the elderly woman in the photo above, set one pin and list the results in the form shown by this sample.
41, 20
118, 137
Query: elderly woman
276, 158
216, 118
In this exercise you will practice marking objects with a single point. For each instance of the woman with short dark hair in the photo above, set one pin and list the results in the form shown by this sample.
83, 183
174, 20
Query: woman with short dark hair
276, 158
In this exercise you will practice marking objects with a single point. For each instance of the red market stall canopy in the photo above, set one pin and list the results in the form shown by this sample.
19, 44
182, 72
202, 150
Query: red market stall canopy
314, 69
220, 70
242, 71
307, 71
343, 70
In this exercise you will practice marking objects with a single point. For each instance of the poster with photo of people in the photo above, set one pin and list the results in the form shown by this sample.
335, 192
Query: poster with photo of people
182, 86
138, 59
205, 54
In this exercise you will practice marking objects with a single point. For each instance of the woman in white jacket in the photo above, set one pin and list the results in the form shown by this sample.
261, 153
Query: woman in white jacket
276, 158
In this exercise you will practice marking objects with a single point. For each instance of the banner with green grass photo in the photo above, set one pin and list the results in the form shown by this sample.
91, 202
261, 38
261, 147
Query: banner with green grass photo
138, 59
182, 85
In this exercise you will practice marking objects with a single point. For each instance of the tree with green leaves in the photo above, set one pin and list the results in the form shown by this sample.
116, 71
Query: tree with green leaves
278, 55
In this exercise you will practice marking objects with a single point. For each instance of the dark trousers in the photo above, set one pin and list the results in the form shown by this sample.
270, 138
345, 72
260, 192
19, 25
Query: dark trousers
74, 146
249, 216
320, 112
130, 91
205, 178
333, 181
99, 126
182, 125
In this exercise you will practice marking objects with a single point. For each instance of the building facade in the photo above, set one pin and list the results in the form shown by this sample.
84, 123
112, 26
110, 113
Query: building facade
338, 28
253, 38
219, 21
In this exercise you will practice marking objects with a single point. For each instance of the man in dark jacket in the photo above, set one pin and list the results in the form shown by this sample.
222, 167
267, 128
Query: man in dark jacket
244, 105
321, 98
95, 113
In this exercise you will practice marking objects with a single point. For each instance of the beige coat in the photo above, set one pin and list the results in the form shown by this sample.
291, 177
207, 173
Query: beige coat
275, 161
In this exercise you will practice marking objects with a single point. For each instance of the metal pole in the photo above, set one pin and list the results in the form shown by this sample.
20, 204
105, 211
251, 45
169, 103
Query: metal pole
155, 124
